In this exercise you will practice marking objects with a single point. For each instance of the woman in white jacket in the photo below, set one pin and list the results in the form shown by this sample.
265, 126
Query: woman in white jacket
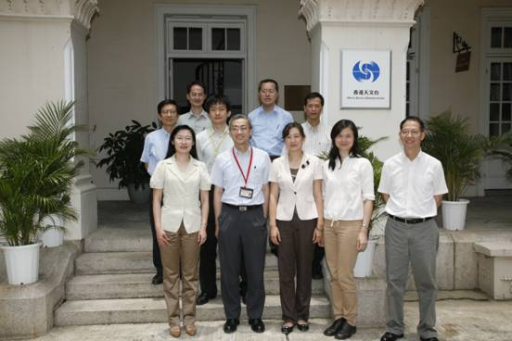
296, 219
180, 224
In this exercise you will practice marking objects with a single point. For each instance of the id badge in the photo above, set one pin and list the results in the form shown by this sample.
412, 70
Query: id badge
246, 192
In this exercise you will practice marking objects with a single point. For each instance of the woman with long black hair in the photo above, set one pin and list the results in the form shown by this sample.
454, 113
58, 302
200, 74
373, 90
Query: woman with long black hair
348, 204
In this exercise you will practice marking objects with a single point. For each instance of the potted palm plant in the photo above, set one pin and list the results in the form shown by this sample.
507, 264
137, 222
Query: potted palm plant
36, 172
449, 140
124, 149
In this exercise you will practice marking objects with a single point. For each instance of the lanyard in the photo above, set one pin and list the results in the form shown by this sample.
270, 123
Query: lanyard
216, 147
246, 178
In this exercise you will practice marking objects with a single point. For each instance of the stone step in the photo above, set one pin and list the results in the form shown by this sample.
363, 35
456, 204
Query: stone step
129, 262
153, 310
128, 239
94, 287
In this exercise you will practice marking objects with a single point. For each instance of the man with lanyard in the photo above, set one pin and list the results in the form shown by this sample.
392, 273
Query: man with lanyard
196, 118
269, 120
240, 176
155, 149
412, 184
210, 143
318, 143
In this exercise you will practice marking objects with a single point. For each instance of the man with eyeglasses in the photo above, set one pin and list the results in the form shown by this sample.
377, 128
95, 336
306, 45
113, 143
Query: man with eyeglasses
196, 118
412, 184
240, 176
155, 149
269, 120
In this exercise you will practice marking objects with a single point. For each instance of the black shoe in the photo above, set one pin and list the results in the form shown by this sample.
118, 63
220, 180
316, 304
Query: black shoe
202, 299
391, 337
157, 279
286, 329
257, 325
345, 332
303, 327
230, 325
429, 338
335, 327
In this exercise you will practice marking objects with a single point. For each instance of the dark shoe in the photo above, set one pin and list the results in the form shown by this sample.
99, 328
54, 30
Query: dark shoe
429, 339
303, 327
335, 327
391, 337
257, 325
345, 332
286, 329
157, 279
202, 299
230, 325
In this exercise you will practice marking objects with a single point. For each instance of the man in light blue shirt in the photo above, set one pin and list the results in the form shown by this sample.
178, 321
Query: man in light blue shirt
156, 144
269, 120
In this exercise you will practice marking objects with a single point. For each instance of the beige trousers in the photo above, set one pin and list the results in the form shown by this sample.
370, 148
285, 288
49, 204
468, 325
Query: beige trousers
182, 252
340, 239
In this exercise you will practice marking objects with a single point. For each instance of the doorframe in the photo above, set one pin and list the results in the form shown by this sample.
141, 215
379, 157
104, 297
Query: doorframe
194, 10
486, 16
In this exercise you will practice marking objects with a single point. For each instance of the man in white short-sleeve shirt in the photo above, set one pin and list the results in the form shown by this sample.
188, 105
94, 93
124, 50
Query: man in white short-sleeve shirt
209, 144
196, 118
412, 184
240, 176
318, 142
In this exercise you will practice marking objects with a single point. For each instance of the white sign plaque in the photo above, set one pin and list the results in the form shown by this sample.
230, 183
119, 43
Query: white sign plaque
366, 79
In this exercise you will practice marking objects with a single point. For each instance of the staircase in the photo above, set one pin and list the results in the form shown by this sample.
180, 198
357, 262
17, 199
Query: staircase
112, 283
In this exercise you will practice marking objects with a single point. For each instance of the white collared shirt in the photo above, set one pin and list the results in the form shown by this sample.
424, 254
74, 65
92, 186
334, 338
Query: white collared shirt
156, 144
227, 175
210, 144
181, 193
412, 185
318, 139
299, 193
197, 122
346, 188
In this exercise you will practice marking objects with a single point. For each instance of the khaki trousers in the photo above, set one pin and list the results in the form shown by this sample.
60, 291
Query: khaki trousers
340, 240
182, 252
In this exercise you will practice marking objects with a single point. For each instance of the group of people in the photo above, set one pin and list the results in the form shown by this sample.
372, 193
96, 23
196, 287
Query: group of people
233, 185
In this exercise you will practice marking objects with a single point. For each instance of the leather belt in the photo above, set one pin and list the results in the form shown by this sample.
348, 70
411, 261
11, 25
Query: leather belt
242, 208
410, 220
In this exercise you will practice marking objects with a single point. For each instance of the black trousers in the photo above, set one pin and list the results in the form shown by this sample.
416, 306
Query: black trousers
208, 256
242, 234
157, 260
295, 256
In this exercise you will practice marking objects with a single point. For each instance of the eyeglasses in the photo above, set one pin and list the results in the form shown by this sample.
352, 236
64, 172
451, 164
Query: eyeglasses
239, 128
268, 92
410, 132
168, 112
184, 138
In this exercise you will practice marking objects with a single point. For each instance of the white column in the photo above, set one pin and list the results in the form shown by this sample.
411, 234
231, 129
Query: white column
336, 25
44, 59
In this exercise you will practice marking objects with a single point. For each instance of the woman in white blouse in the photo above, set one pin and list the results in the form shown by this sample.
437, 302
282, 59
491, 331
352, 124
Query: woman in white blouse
348, 204
295, 211
180, 224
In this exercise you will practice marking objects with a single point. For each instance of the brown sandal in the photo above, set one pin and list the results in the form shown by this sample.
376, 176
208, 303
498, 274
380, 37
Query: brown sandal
175, 331
191, 330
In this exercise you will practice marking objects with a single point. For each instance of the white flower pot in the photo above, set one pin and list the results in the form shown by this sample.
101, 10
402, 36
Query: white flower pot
364, 262
54, 236
22, 263
454, 214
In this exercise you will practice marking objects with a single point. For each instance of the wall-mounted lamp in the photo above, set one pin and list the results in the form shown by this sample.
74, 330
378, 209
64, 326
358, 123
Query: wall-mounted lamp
459, 45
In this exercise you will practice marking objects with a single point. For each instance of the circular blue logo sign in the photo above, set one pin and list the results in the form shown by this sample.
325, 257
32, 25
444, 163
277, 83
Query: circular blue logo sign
364, 72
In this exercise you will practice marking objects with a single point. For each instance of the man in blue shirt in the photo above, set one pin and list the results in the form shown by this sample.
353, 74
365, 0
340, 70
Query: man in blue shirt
269, 120
155, 150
